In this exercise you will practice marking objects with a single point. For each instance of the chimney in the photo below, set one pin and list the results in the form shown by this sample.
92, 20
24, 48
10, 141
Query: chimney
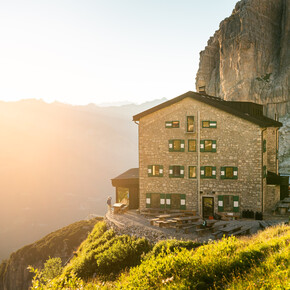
201, 89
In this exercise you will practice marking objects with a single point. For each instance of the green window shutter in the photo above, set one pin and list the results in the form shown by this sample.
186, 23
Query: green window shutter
150, 171
213, 171
168, 124
223, 172
182, 145
170, 171
182, 171
148, 200
264, 171
235, 172
202, 146
182, 201
220, 203
161, 170
170, 145
236, 203
264, 145
162, 200
213, 146
212, 124
202, 172
168, 200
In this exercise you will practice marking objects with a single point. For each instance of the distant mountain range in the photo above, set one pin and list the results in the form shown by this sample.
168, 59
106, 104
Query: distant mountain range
56, 164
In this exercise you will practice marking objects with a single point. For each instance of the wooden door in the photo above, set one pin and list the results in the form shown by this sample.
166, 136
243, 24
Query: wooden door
207, 206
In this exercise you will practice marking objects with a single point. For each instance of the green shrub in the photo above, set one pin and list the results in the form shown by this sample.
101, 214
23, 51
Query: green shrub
208, 266
52, 268
171, 246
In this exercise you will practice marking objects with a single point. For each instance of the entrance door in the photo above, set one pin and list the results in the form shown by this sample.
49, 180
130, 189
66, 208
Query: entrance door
207, 206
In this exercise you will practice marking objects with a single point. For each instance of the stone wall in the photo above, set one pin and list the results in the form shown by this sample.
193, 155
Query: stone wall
272, 197
271, 149
239, 144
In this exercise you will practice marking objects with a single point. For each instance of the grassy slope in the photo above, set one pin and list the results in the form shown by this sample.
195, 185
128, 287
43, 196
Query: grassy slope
260, 261
60, 243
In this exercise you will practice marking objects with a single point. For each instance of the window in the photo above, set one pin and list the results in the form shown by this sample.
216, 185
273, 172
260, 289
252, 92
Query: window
209, 124
191, 145
190, 124
208, 172
191, 171
175, 201
176, 171
228, 203
172, 124
153, 200
229, 172
123, 195
155, 171
162, 200
176, 145
207, 145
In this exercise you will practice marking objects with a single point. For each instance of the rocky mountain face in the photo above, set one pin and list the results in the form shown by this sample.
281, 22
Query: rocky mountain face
284, 145
14, 274
248, 57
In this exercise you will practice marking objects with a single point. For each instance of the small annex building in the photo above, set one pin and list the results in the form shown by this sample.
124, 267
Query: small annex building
201, 153
127, 188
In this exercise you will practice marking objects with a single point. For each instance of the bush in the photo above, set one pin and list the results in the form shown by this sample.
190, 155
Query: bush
105, 254
52, 268
208, 266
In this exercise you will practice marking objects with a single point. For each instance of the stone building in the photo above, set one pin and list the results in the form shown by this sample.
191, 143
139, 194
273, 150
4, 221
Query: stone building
201, 153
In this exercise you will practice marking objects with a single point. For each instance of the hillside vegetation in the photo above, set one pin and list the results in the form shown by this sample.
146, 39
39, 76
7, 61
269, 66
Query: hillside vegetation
61, 243
108, 261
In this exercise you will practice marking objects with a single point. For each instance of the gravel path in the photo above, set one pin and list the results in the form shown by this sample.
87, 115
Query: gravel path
132, 223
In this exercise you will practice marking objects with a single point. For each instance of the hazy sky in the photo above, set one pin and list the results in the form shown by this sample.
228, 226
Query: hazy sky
101, 51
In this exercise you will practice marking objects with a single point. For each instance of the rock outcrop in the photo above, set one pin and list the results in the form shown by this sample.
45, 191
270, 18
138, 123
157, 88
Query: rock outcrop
284, 145
14, 274
248, 58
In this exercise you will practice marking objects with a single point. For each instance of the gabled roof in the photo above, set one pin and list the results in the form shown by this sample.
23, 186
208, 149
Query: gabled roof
127, 179
129, 174
227, 106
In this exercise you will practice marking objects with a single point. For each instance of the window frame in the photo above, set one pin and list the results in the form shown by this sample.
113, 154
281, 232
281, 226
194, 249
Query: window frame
171, 124
171, 145
150, 170
188, 141
213, 145
210, 122
203, 172
187, 118
235, 200
172, 169
223, 172
189, 167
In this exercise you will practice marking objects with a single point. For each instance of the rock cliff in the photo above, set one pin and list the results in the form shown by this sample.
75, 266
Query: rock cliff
284, 147
13, 272
248, 57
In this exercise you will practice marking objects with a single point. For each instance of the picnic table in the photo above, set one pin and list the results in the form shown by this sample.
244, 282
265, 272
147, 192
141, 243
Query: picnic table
119, 207
186, 219
168, 216
230, 230
185, 222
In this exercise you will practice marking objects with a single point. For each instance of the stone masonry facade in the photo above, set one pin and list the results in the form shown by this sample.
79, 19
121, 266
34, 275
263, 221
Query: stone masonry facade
239, 144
